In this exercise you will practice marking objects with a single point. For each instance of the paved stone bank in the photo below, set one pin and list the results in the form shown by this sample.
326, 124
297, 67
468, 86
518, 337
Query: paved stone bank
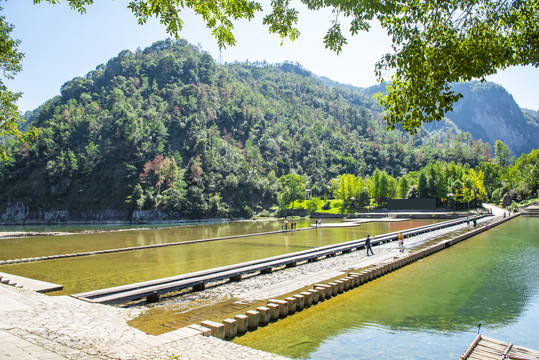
36, 326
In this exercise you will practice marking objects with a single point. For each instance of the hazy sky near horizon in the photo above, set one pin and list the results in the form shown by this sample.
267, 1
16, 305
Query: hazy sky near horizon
59, 44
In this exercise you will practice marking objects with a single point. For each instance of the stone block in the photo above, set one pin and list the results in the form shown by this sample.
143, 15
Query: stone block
291, 304
283, 306
321, 293
300, 301
340, 286
204, 330
217, 329
253, 319
315, 296
231, 328
265, 315
274, 311
328, 290
308, 296
242, 322
334, 288
355, 279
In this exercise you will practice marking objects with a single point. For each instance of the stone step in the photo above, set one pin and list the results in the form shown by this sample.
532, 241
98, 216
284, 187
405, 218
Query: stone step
30, 284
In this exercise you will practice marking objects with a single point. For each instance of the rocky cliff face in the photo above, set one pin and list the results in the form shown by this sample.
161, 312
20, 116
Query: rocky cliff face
490, 113
19, 214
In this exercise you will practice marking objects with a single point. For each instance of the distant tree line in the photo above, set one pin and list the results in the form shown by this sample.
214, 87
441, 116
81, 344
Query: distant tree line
445, 182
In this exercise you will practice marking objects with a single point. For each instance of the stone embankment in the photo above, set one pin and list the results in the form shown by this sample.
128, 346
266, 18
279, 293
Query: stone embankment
36, 326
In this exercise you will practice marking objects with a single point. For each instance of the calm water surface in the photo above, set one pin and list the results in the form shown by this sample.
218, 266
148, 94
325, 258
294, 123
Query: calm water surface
100, 271
428, 310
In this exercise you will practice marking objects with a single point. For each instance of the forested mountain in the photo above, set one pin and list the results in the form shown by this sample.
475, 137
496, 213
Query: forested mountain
168, 128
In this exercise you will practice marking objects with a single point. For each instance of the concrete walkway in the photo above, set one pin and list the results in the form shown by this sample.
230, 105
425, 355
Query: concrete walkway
496, 211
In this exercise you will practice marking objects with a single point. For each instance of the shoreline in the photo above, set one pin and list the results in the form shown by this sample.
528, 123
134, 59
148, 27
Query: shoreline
21, 234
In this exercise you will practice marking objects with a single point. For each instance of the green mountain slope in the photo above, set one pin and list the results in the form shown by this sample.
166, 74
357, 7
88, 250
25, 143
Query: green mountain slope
200, 140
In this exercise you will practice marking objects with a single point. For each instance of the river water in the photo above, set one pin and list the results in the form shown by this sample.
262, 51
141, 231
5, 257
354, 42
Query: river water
79, 274
427, 310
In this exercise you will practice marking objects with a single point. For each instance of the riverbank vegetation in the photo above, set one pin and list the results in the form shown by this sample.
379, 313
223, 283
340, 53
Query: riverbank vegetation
167, 129
453, 185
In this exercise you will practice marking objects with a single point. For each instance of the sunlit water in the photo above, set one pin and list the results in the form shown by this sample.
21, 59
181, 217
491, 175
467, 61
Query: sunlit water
428, 310
86, 273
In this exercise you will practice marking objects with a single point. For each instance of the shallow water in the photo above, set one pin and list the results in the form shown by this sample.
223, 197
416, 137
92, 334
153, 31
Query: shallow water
428, 310
118, 236
86, 273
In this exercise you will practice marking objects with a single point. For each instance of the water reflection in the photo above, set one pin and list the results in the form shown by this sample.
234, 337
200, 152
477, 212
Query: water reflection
427, 310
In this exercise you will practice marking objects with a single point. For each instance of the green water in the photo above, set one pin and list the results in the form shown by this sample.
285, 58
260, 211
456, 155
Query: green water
428, 310
86, 273
79, 241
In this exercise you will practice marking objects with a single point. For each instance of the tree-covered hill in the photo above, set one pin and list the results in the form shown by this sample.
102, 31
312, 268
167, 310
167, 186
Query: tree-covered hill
168, 128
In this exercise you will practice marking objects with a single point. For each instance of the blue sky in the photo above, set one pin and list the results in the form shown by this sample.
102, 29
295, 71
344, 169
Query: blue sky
59, 44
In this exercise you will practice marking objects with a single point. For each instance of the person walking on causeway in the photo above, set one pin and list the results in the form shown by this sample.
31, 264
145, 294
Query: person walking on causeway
401, 242
368, 245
